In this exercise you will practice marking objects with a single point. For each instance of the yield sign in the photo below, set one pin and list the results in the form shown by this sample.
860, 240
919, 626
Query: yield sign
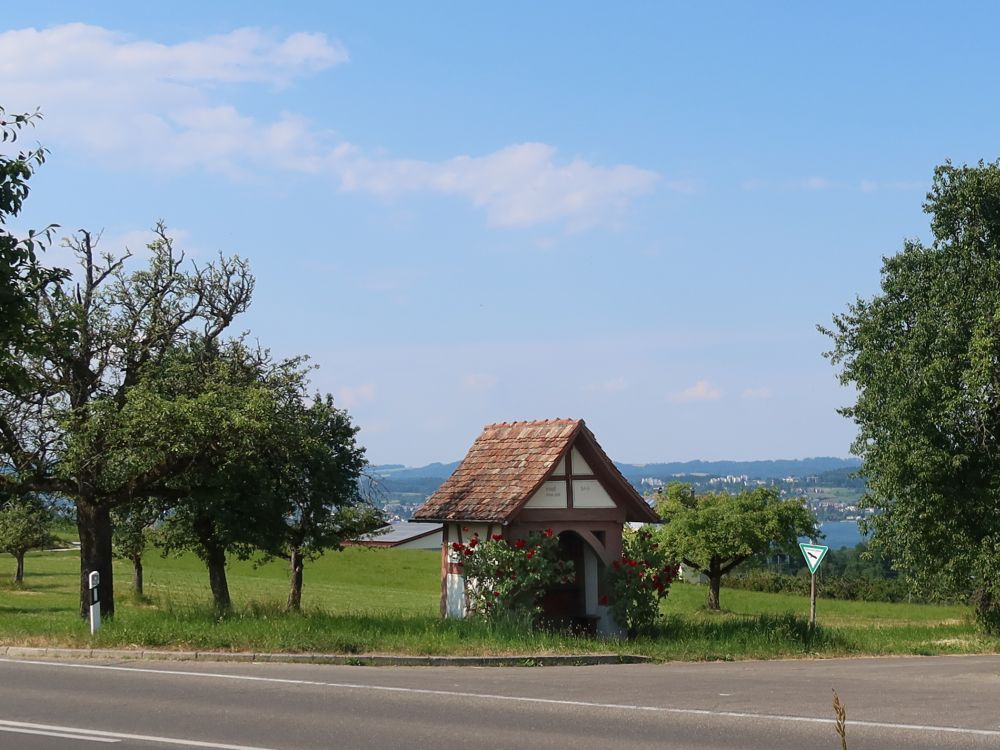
814, 554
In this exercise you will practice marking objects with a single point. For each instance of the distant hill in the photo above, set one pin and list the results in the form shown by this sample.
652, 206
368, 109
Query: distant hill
398, 471
776, 469
426, 479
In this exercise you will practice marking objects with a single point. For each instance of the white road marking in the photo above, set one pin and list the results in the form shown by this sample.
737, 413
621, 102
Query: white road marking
61, 735
97, 735
511, 698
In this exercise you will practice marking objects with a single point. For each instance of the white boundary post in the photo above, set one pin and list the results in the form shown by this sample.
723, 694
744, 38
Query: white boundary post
94, 580
812, 600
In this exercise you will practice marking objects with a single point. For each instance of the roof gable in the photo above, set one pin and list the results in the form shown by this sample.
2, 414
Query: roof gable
508, 463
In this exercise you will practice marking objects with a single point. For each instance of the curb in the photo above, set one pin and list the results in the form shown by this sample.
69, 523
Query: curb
356, 660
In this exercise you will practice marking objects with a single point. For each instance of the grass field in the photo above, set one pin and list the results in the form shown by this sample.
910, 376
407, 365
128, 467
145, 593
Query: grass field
385, 601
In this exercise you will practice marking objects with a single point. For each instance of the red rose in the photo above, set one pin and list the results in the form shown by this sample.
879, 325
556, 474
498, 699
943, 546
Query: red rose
603, 599
468, 551
457, 546
465, 528
519, 544
497, 537
529, 554
632, 563
548, 533
474, 541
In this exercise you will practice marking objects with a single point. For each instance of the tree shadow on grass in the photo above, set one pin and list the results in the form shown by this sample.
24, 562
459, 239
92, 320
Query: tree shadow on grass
748, 634
29, 573
33, 610
30, 586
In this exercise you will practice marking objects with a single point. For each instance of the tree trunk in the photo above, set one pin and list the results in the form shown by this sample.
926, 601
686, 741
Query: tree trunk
714, 584
137, 575
19, 573
295, 592
987, 608
216, 560
93, 521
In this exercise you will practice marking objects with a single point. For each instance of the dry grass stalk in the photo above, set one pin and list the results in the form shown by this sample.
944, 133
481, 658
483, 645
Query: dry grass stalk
841, 712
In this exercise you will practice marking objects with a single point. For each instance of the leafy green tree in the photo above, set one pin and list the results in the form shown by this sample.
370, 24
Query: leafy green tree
224, 503
21, 276
923, 356
714, 532
133, 527
25, 524
318, 482
89, 428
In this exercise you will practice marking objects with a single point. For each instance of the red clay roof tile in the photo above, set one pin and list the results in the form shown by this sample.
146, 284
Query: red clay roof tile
506, 465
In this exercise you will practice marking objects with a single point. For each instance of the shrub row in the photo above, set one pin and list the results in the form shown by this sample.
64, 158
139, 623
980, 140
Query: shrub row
859, 588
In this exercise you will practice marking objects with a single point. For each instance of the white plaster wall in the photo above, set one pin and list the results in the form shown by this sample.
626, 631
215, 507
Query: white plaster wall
579, 465
465, 531
606, 626
455, 596
549, 495
588, 493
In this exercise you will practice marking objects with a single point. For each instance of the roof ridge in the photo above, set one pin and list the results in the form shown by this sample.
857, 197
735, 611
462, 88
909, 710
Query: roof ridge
524, 422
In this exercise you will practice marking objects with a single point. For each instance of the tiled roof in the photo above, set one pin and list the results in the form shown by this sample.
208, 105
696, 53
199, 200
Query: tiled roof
506, 464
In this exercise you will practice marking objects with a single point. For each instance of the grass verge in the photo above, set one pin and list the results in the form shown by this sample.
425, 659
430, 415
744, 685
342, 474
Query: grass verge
385, 601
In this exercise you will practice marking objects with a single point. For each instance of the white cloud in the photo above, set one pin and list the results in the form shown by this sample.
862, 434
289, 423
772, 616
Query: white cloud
758, 393
136, 102
351, 396
81, 52
700, 391
478, 382
520, 185
139, 102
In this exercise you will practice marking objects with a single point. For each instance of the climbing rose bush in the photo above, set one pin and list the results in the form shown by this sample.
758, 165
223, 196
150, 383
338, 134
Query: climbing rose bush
504, 576
639, 581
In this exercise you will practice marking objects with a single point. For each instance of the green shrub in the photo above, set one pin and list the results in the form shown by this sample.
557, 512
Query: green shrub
986, 605
504, 576
846, 588
639, 581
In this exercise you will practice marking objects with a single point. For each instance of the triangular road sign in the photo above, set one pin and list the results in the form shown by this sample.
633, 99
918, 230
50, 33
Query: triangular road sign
814, 554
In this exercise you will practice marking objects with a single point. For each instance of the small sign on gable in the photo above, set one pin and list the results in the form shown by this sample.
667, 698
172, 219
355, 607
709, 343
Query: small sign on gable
814, 554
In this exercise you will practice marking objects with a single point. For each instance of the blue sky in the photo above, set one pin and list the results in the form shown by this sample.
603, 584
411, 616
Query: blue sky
468, 213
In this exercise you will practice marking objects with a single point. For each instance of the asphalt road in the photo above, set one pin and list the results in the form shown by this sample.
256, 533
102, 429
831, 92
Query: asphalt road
932, 702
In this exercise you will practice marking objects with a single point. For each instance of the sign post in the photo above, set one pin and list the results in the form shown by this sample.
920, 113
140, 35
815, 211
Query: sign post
814, 554
94, 580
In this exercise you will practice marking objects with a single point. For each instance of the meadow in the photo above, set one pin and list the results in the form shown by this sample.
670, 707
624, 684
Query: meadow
363, 601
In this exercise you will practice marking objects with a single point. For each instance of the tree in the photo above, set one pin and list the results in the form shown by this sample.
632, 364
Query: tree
133, 525
84, 428
225, 500
319, 484
25, 524
714, 532
924, 358
21, 276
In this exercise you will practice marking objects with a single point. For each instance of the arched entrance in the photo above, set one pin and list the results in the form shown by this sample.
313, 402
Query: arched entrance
573, 605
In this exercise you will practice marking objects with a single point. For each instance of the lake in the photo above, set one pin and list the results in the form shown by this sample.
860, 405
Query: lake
839, 534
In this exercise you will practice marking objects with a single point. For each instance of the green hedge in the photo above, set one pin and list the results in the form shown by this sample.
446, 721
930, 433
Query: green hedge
857, 588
